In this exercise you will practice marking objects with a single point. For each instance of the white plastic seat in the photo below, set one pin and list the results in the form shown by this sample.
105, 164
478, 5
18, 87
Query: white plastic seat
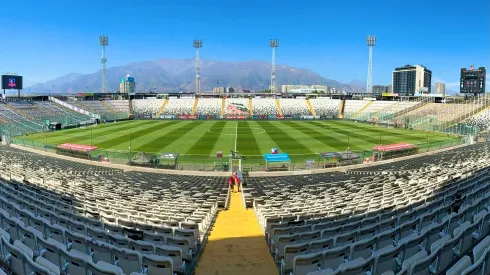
76, 241
388, 260
97, 233
29, 236
363, 249
482, 266
128, 260
157, 265
175, 253
460, 266
282, 242
35, 268
189, 234
412, 245
50, 249
103, 268
345, 239
14, 257
157, 239
290, 252
118, 240
143, 247
183, 244
56, 232
304, 264
100, 251
333, 258
73, 264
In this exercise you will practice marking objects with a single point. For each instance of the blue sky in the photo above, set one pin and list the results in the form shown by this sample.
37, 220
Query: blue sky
46, 39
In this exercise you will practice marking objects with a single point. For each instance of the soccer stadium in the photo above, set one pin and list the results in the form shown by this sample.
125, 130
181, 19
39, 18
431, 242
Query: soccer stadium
254, 184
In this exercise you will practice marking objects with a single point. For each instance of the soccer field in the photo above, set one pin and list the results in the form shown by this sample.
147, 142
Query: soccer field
250, 138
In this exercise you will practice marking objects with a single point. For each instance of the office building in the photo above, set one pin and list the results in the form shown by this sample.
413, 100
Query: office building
230, 90
127, 85
390, 89
409, 80
473, 80
219, 90
440, 88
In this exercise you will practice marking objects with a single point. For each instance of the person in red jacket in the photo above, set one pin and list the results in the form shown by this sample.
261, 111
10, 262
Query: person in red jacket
231, 182
237, 181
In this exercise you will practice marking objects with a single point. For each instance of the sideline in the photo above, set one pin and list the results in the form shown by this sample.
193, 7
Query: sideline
226, 174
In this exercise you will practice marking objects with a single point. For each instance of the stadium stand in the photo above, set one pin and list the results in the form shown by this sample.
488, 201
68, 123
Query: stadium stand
147, 108
264, 107
70, 217
209, 106
353, 106
181, 106
293, 106
394, 218
326, 107
119, 106
481, 120
107, 109
237, 107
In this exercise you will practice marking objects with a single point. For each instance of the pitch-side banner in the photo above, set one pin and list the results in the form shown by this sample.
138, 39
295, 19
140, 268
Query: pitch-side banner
236, 117
187, 117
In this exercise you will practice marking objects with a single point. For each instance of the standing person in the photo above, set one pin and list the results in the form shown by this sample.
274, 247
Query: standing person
231, 182
457, 202
237, 181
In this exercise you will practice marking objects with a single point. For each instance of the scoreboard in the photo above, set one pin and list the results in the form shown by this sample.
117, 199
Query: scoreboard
11, 82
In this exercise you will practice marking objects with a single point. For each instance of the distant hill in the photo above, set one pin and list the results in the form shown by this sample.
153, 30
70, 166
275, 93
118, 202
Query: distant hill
173, 75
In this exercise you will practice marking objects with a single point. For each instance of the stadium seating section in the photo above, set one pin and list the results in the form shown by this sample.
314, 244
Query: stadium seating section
297, 107
181, 106
209, 106
59, 216
264, 107
388, 219
147, 108
325, 107
69, 217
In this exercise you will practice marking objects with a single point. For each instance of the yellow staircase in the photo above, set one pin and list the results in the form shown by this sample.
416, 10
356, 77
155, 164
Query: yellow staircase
312, 110
107, 107
162, 107
196, 101
362, 109
279, 111
341, 107
250, 107
236, 245
223, 103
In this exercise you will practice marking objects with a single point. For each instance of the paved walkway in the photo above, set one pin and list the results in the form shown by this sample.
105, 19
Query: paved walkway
236, 245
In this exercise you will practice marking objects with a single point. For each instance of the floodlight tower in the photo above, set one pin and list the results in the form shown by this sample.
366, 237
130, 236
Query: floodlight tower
273, 43
197, 44
371, 42
104, 41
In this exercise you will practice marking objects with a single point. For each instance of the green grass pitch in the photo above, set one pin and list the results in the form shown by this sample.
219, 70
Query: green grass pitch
250, 138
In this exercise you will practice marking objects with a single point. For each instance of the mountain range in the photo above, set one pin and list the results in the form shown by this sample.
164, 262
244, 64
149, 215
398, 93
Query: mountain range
175, 75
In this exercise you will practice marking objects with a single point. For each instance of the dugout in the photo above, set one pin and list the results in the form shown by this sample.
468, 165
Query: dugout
349, 157
277, 162
394, 150
56, 126
330, 159
143, 159
168, 160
